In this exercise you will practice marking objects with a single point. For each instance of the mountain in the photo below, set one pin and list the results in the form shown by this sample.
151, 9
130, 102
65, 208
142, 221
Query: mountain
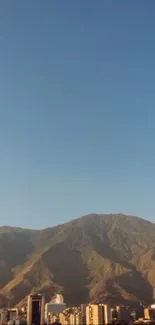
93, 258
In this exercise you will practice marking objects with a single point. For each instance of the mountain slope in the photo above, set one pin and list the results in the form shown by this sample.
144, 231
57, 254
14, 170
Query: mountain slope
95, 257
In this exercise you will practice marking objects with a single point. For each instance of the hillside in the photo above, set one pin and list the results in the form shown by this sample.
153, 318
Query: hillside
95, 257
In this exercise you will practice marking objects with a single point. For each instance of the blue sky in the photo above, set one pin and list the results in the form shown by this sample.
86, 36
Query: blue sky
77, 110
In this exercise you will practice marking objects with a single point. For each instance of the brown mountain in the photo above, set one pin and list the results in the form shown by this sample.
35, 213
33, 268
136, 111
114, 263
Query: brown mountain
95, 257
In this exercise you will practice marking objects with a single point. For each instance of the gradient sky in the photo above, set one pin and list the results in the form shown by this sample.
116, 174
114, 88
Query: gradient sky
77, 110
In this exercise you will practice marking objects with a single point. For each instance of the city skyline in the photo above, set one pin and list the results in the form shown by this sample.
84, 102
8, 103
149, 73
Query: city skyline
39, 312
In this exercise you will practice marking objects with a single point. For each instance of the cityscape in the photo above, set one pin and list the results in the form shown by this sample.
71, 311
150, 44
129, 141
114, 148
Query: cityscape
77, 162
39, 312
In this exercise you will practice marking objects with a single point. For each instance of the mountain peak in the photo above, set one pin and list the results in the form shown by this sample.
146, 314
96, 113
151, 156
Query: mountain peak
109, 257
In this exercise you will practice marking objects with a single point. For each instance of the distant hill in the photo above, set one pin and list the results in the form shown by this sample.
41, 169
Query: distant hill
93, 258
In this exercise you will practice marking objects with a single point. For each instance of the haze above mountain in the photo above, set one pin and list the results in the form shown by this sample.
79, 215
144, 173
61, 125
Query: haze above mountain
93, 258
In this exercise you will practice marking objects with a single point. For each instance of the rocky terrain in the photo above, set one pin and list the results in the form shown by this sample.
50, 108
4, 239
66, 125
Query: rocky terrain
93, 258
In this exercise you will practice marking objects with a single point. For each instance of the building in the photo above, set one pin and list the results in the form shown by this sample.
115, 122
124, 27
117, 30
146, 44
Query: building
98, 314
3, 316
78, 320
72, 320
152, 313
83, 314
83, 308
55, 306
13, 314
35, 311
89, 314
64, 319
52, 319
75, 318
140, 312
107, 314
146, 313
123, 313
113, 315
149, 313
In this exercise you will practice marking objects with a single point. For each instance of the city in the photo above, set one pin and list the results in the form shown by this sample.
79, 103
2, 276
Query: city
77, 162
56, 311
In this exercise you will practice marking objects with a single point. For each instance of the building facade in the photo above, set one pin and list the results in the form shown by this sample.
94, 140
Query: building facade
123, 313
98, 314
55, 306
35, 311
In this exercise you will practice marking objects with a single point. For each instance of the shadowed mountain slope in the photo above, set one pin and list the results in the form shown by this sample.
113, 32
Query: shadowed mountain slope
96, 257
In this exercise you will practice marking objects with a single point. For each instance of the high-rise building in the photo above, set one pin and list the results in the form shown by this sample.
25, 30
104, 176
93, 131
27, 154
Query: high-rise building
75, 318
123, 313
13, 314
3, 316
63, 319
72, 319
113, 315
35, 312
89, 315
152, 312
107, 314
147, 313
98, 314
140, 312
83, 314
56, 306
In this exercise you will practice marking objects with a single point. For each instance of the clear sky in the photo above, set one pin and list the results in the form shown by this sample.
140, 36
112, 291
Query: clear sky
77, 110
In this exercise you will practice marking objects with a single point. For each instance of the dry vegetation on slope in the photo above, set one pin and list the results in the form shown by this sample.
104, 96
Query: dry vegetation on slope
95, 257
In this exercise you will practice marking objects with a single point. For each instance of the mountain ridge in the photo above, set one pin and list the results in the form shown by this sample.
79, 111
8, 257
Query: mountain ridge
94, 257
72, 220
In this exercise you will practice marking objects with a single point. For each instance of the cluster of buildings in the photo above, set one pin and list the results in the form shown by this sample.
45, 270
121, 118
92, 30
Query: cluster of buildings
149, 313
39, 313
9, 316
